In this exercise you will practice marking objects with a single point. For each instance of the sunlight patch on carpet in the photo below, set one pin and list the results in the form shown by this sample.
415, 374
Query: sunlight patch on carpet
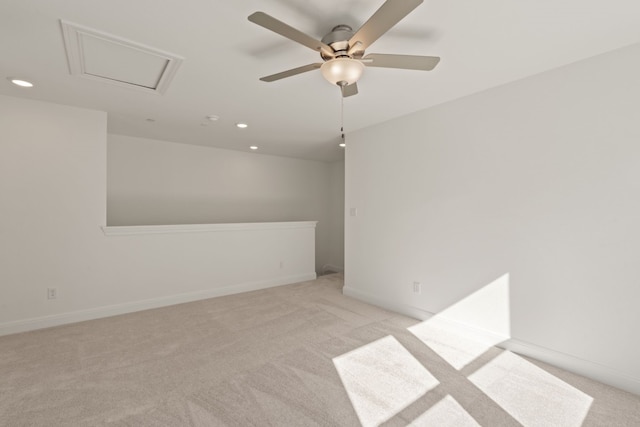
470, 327
446, 413
382, 378
531, 395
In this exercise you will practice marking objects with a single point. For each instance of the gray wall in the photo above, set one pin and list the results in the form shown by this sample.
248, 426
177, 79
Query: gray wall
538, 180
152, 182
53, 195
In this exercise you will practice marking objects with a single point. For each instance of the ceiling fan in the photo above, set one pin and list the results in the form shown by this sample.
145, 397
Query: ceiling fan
342, 50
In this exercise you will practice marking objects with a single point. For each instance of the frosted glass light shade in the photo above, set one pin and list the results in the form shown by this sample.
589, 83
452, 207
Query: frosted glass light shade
342, 70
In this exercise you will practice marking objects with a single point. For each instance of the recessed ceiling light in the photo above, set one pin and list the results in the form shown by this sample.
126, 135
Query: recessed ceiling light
213, 118
254, 147
20, 82
342, 144
242, 125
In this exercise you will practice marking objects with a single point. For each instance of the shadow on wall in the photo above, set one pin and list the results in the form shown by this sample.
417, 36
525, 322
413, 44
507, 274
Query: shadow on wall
330, 269
383, 379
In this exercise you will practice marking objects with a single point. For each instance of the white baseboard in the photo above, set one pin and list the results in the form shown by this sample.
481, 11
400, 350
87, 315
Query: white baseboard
405, 309
420, 314
130, 307
586, 368
574, 364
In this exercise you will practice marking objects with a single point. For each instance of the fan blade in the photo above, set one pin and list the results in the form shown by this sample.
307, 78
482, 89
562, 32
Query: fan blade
406, 62
292, 72
349, 90
357, 47
389, 14
271, 23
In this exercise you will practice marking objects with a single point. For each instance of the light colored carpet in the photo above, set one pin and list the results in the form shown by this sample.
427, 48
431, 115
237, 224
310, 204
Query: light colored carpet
296, 355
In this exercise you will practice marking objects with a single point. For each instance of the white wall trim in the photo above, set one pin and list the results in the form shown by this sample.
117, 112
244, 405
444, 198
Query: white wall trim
405, 309
203, 228
130, 307
568, 362
574, 364
418, 313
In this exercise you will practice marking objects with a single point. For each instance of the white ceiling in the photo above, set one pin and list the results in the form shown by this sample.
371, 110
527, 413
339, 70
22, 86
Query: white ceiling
482, 44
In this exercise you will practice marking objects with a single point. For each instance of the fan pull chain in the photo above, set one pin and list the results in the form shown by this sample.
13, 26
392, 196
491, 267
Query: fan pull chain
342, 117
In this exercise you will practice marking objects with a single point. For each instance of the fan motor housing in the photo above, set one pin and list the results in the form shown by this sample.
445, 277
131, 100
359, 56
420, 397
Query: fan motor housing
338, 39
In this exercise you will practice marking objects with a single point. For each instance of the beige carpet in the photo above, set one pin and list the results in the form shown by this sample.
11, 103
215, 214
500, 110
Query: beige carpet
297, 355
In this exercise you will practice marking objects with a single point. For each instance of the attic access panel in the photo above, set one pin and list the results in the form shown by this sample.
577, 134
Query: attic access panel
110, 59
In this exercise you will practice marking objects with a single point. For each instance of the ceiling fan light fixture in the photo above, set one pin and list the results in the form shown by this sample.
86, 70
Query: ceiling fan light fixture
342, 71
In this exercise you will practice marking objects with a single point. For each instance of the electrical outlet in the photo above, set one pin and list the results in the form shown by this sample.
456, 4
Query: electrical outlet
417, 287
52, 293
